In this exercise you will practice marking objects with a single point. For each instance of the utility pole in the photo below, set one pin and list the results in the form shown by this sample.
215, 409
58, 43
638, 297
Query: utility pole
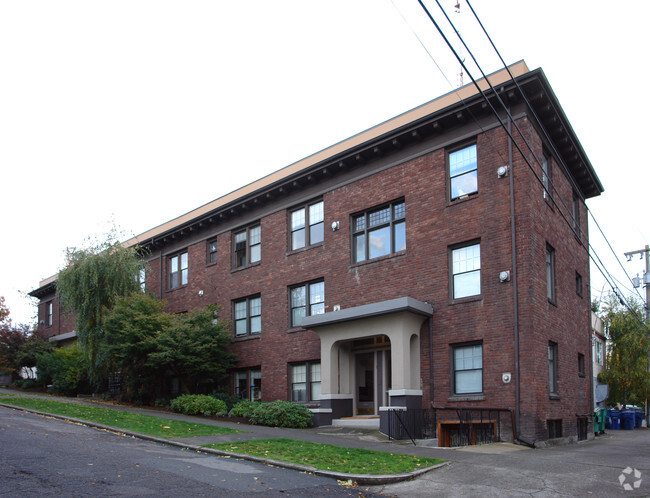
646, 282
646, 276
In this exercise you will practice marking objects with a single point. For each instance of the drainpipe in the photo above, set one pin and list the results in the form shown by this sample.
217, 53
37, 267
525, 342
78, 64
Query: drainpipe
431, 360
514, 282
161, 271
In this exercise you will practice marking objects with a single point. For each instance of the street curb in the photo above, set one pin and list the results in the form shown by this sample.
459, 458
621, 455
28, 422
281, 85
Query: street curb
358, 478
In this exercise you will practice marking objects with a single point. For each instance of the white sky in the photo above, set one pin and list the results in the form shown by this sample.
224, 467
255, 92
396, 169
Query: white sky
134, 112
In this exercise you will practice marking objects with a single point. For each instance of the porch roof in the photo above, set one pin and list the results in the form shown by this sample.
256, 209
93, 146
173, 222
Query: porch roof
368, 310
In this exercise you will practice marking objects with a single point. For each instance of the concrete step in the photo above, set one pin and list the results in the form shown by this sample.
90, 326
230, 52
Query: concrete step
365, 421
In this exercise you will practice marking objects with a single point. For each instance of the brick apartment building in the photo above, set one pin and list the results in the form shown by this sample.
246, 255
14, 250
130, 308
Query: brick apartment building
419, 262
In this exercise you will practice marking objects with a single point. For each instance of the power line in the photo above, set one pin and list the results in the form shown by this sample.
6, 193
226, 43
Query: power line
496, 114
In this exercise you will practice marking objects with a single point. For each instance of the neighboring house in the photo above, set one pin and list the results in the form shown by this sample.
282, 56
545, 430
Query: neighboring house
599, 353
419, 262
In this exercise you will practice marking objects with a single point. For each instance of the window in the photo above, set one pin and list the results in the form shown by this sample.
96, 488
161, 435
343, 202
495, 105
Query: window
141, 279
248, 316
546, 176
248, 384
307, 226
581, 365
466, 271
550, 273
468, 369
598, 354
578, 284
379, 232
178, 270
554, 428
211, 252
306, 300
463, 172
305, 381
248, 246
552, 367
49, 313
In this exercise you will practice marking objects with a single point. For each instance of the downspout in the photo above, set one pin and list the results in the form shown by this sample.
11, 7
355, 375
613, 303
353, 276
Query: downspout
160, 259
431, 360
514, 282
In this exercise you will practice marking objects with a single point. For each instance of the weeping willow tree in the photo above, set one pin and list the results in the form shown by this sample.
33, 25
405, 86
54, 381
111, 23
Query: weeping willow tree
89, 286
626, 371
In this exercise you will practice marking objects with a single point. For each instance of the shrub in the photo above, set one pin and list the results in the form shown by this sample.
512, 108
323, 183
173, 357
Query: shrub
198, 404
65, 368
230, 399
243, 409
281, 414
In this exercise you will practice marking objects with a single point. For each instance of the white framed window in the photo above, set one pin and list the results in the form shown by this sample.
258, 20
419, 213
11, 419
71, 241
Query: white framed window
463, 172
468, 368
307, 225
466, 271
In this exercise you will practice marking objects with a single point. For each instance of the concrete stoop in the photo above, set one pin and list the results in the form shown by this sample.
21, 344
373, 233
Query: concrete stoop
365, 422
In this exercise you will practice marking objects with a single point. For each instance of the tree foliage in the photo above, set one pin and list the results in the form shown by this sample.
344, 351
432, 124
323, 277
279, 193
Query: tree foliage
4, 311
65, 369
626, 371
150, 347
90, 284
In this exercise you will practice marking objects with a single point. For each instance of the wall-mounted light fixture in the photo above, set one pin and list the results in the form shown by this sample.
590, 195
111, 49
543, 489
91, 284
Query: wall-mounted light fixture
504, 276
200, 293
335, 226
502, 171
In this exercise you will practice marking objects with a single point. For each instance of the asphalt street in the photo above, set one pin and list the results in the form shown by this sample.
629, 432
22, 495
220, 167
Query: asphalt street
41, 456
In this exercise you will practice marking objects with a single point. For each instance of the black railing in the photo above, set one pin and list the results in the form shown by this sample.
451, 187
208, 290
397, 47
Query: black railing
463, 426
414, 423
453, 426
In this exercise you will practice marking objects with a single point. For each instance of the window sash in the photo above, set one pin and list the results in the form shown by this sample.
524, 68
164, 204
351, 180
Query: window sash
212, 252
178, 270
468, 369
248, 316
466, 271
463, 172
305, 382
552, 367
550, 273
307, 226
306, 300
379, 232
247, 246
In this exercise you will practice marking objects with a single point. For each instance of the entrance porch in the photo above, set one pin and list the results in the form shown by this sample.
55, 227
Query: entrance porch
370, 359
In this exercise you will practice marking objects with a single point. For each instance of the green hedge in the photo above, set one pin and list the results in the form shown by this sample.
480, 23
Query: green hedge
281, 414
243, 409
198, 404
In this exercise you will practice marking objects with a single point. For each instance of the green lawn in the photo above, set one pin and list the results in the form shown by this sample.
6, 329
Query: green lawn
329, 457
144, 424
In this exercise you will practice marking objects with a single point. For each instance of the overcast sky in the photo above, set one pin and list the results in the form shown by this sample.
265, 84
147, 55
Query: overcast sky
130, 113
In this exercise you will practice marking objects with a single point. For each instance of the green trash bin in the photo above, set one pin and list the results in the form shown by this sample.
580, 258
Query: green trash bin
600, 418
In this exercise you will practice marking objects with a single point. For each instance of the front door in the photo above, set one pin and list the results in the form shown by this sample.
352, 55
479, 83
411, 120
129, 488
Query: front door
365, 383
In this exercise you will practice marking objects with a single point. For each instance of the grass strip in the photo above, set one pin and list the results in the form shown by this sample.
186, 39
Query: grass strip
329, 457
144, 424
